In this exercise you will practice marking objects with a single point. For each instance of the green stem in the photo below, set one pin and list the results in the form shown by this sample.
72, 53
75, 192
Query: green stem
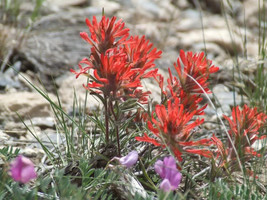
116, 128
106, 118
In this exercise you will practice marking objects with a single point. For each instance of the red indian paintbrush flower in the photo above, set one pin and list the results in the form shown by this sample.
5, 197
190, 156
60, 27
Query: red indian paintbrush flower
174, 129
196, 66
119, 64
106, 34
244, 131
191, 80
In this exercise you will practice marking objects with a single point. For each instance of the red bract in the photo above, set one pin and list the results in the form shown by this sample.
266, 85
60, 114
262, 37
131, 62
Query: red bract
173, 128
190, 101
196, 66
192, 79
142, 56
244, 130
246, 124
106, 34
112, 73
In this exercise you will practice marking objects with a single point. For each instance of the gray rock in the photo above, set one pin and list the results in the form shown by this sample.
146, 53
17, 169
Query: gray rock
4, 138
214, 52
128, 186
110, 7
69, 86
14, 129
226, 98
54, 44
51, 138
32, 152
192, 20
14, 70
65, 3
6, 81
220, 37
42, 122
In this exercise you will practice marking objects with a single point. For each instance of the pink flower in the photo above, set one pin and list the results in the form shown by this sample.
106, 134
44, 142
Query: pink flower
130, 159
168, 171
22, 169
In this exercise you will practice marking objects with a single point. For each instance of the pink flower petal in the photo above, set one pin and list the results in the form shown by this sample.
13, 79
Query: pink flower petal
22, 169
130, 159
168, 171
176, 180
159, 168
166, 186
28, 173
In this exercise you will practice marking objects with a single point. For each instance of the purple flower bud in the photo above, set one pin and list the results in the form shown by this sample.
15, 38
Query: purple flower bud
22, 169
130, 159
166, 186
168, 171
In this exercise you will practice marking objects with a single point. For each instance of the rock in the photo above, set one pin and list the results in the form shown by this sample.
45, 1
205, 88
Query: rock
152, 86
110, 7
3, 138
218, 6
250, 13
147, 6
68, 84
221, 37
219, 111
214, 52
6, 82
50, 138
28, 79
125, 3
128, 186
150, 30
42, 122
146, 10
14, 70
26, 104
259, 145
15, 129
32, 152
182, 4
54, 44
212, 5
66, 3
192, 20
225, 98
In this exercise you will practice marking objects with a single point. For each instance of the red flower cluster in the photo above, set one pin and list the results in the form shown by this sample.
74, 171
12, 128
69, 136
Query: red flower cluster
116, 66
119, 63
174, 129
196, 66
244, 130
174, 124
175, 120
192, 80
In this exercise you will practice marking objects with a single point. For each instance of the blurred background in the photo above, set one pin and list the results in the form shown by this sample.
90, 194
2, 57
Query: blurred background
40, 43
